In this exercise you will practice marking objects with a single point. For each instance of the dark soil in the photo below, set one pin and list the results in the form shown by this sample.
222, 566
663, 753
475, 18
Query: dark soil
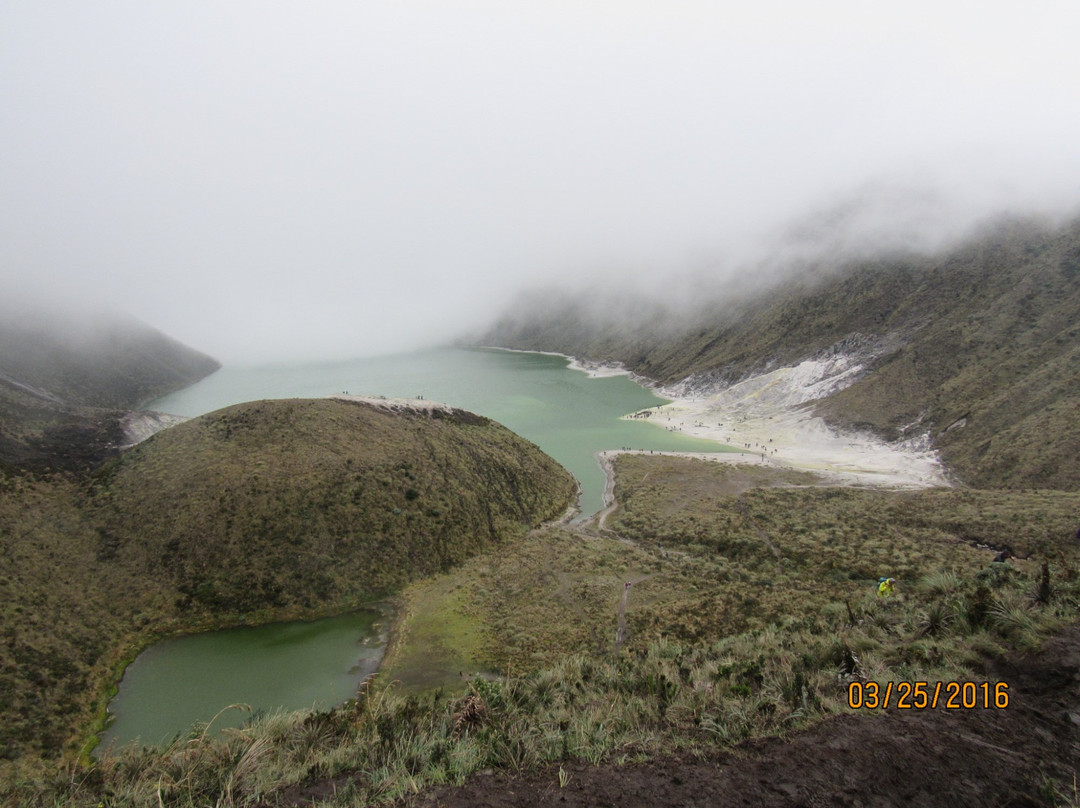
1025, 755
74, 439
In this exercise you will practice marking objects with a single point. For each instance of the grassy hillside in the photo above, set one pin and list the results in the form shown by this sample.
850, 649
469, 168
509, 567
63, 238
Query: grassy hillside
48, 436
60, 609
260, 511
66, 378
979, 346
751, 609
715, 550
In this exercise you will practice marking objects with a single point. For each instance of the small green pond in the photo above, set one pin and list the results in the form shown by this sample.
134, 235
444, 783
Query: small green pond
281, 666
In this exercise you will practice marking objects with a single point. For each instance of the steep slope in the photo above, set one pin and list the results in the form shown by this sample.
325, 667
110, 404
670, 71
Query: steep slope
317, 500
978, 348
68, 377
751, 608
261, 511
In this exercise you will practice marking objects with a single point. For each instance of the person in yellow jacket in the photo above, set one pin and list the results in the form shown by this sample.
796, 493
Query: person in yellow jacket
885, 587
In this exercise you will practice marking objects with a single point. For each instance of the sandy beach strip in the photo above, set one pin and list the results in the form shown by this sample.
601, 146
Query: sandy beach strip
397, 404
793, 438
768, 418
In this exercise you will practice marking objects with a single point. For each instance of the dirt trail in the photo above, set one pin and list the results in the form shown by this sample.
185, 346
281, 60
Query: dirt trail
596, 521
764, 536
1014, 757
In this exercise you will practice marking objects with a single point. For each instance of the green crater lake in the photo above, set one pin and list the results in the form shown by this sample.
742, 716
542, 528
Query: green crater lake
565, 412
570, 415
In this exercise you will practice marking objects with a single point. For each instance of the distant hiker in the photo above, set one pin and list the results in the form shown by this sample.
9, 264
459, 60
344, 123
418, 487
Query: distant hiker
886, 586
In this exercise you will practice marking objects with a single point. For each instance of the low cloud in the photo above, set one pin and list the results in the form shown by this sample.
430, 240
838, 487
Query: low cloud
268, 181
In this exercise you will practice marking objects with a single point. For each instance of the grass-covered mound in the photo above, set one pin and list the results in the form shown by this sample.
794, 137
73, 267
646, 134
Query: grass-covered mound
257, 512
700, 668
293, 503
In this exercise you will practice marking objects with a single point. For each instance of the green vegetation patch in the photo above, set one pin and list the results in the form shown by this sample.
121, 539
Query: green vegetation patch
710, 654
438, 638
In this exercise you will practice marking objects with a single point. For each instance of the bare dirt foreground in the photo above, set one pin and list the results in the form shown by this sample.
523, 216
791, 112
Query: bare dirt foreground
1025, 755
1012, 757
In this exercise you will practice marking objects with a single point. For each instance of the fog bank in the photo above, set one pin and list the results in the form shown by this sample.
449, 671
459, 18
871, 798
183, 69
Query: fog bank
269, 180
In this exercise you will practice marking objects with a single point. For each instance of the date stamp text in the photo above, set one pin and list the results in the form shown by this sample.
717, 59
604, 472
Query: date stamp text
928, 695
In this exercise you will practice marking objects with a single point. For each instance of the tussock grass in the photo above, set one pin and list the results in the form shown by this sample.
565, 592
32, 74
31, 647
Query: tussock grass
667, 697
679, 685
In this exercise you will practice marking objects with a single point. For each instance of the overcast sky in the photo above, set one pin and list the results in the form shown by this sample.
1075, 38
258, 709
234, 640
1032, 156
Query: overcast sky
279, 180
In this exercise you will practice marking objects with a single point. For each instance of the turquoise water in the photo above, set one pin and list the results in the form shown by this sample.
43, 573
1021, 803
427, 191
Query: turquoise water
567, 414
290, 666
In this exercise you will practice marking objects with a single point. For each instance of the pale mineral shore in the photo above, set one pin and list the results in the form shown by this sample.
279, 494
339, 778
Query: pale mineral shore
140, 425
397, 404
594, 370
768, 419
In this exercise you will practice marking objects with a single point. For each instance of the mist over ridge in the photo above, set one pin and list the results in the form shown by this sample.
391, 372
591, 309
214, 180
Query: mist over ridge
275, 183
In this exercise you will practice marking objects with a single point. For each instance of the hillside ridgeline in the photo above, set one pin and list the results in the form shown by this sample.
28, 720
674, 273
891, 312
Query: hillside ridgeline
67, 380
975, 349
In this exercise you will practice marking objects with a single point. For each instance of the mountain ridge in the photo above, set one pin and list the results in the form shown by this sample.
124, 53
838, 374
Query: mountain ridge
68, 380
976, 347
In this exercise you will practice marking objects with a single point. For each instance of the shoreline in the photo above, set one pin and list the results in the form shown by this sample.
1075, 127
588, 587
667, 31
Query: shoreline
766, 419
594, 370
793, 438
394, 404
